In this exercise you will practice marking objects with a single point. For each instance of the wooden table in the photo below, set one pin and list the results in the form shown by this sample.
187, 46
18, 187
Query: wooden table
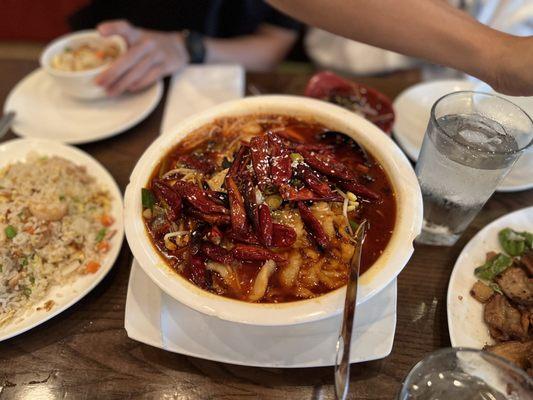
84, 353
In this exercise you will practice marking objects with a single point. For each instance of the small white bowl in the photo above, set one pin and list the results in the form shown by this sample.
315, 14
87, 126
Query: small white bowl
78, 84
385, 269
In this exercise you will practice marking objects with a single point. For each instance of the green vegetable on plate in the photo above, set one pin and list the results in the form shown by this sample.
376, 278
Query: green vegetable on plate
147, 198
493, 267
515, 243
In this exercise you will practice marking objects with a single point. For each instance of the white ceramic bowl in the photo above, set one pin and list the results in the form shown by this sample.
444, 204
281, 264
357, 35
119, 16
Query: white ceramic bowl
385, 269
78, 84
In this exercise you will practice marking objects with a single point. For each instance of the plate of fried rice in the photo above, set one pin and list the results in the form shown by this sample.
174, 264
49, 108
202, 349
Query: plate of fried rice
61, 230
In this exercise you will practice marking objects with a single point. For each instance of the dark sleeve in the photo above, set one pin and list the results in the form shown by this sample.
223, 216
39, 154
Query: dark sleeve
93, 13
275, 17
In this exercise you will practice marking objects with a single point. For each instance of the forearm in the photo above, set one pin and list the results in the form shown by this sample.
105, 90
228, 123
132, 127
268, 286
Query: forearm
258, 52
428, 29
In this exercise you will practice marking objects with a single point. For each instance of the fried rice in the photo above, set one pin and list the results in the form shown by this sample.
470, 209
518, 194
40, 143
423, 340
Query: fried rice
55, 226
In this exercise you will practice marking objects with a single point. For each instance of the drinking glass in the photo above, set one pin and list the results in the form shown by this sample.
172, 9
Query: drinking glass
472, 141
466, 374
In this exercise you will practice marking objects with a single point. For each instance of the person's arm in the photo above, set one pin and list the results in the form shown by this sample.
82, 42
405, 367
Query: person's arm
153, 54
429, 29
261, 51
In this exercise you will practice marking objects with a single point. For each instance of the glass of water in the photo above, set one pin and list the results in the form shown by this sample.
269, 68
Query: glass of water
472, 141
466, 374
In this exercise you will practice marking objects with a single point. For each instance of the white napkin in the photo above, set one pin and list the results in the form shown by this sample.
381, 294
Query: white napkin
199, 87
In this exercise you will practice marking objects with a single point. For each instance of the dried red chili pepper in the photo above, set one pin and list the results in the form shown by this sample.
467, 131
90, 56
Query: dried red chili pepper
260, 160
265, 225
213, 219
314, 226
317, 185
280, 161
198, 271
198, 198
358, 189
202, 164
250, 201
236, 203
216, 253
248, 237
328, 165
166, 194
289, 193
239, 161
248, 252
283, 235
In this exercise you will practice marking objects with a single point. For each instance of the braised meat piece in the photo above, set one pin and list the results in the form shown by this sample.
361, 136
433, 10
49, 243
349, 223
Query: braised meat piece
516, 285
527, 262
519, 353
505, 321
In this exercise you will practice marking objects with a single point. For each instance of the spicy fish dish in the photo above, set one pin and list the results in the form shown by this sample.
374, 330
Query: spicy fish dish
260, 208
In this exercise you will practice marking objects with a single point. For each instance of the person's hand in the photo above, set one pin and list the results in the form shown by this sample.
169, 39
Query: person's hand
513, 67
150, 56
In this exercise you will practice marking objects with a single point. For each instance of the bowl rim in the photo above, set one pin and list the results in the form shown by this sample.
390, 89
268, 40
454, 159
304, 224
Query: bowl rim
396, 255
51, 49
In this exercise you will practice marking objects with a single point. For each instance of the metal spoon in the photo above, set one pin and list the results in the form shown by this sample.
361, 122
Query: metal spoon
5, 123
342, 358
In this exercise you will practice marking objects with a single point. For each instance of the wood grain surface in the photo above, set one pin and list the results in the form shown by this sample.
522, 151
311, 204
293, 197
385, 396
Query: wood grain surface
84, 353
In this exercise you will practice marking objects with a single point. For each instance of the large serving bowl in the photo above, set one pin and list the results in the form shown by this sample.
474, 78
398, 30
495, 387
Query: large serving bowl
78, 84
385, 269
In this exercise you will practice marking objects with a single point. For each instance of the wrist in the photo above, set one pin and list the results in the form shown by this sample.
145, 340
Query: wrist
180, 46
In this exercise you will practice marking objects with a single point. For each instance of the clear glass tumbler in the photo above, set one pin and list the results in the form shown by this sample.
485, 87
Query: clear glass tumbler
472, 141
466, 374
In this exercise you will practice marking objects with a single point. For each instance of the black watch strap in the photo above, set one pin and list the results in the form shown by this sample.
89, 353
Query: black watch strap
194, 43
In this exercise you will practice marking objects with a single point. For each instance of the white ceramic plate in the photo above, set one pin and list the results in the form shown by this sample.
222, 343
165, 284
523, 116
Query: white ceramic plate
386, 268
413, 108
65, 296
45, 112
156, 319
465, 314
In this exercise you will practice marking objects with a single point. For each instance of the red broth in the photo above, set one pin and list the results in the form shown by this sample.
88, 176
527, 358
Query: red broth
221, 240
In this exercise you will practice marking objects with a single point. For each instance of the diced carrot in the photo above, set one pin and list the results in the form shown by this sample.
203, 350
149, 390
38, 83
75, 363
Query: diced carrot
30, 230
100, 54
107, 220
92, 267
103, 246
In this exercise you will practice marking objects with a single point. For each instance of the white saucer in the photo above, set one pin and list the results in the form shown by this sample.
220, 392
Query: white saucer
67, 295
413, 107
465, 314
156, 319
43, 111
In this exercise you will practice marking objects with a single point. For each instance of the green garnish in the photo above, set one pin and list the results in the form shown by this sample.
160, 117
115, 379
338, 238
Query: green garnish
10, 231
24, 262
61, 198
148, 198
101, 234
515, 243
32, 279
296, 157
26, 291
1, 267
354, 225
493, 267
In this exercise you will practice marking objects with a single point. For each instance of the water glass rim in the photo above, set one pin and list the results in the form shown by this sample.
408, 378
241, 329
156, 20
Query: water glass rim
454, 350
474, 92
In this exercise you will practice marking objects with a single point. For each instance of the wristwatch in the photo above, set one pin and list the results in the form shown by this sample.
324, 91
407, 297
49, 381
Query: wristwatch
194, 43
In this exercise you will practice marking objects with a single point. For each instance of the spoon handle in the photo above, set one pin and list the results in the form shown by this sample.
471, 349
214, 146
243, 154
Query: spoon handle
342, 358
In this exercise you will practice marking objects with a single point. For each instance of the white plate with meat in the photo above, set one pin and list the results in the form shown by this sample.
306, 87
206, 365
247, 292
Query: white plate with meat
61, 230
467, 316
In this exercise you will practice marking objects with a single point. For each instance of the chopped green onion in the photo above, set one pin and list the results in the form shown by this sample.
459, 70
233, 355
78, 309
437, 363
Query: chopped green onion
296, 157
1, 267
61, 198
101, 234
10, 231
32, 279
354, 225
24, 262
148, 198
26, 291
